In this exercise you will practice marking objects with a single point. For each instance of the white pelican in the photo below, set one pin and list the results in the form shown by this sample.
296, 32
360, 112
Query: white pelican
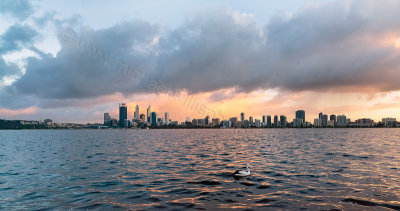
242, 173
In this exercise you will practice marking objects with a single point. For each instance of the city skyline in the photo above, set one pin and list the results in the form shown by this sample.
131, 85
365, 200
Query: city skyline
70, 62
156, 119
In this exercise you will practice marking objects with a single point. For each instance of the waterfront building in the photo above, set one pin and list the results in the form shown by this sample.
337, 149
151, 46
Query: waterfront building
264, 120
283, 121
201, 122
148, 114
107, 119
194, 122
207, 120
389, 122
269, 122
317, 122
123, 114
333, 118
330, 123
365, 122
226, 124
215, 122
234, 121
143, 117
257, 122
341, 121
153, 119
301, 114
242, 117
136, 113
166, 118
276, 121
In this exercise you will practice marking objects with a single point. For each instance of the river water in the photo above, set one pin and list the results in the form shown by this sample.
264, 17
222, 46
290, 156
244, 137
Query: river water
292, 169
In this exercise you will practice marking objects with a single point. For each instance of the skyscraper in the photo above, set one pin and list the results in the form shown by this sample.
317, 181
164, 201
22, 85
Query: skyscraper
153, 119
283, 121
264, 120
166, 118
332, 117
300, 119
107, 118
142, 117
207, 120
242, 117
123, 114
136, 113
276, 121
269, 122
251, 120
148, 114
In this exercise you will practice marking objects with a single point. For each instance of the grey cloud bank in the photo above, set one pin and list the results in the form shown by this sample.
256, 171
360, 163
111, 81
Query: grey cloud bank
332, 46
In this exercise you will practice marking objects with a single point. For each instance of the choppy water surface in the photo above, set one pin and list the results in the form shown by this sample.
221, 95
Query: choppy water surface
317, 169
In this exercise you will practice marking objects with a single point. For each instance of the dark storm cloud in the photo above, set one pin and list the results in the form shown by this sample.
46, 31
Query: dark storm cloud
21, 9
327, 47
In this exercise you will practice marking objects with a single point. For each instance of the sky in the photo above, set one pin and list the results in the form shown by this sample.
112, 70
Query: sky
72, 61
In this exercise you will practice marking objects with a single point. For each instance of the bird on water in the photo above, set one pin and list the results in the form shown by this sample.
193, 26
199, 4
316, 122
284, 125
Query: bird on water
242, 173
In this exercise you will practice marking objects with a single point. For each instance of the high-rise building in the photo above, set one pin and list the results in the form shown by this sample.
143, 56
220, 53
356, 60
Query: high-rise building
341, 121
324, 120
207, 120
300, 119
242, 117
148, 114
154, 119
215, 122
166, 118
301, 114
142, 117
264, 120
332, 117
234, 121
251, 121
269, 122
123, 114
257, 122
283, 121
276, 121
107, 119
136, 113
188, 119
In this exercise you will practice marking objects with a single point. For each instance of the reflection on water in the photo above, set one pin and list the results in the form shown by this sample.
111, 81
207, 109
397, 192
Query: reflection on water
179, 169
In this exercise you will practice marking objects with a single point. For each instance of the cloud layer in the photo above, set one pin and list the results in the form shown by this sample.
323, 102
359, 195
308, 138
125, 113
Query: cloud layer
342, 46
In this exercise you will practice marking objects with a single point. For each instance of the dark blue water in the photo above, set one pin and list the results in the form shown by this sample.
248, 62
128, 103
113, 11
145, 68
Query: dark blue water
315, 169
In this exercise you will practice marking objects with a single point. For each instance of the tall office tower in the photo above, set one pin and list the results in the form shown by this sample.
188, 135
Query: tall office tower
148, 114
269, 122
324, 120
301, 114
136, 113
123, 114
207, 120
300, 119
242, 117
107, 118
257, 123
153, 119
283, 121
341, 121
264, 120
142, 117
166, 118
332, 117
276, 121
251, 120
